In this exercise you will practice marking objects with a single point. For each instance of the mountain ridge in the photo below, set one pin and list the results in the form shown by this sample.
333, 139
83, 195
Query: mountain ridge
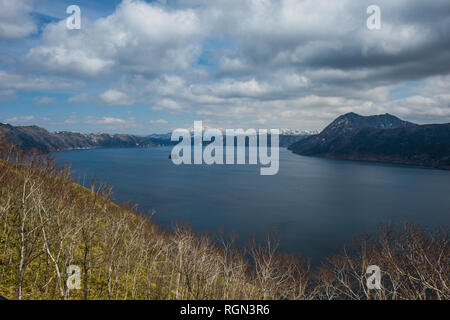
37, 138
380, 138
40, 139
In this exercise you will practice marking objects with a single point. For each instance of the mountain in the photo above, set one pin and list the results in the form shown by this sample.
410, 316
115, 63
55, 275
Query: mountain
37, 138
288, 139
383, 138
297, 132
164, 136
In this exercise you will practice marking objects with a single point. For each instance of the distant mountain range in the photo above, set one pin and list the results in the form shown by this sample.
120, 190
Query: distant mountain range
383, 138
36, 138
297, 132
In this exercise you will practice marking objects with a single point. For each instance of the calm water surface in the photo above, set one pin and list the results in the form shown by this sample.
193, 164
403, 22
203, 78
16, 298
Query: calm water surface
314, 204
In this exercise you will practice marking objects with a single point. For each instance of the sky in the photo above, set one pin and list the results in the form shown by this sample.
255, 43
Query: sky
146, 67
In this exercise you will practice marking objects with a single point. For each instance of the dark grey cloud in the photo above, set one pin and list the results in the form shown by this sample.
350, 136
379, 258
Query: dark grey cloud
414, 40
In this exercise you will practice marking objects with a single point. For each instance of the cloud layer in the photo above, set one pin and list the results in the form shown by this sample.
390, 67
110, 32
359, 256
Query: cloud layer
280, 63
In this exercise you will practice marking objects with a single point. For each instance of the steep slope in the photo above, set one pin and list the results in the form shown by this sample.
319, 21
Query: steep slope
383, 138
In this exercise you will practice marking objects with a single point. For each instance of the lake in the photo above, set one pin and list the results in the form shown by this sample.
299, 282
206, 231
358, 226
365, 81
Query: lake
314, 204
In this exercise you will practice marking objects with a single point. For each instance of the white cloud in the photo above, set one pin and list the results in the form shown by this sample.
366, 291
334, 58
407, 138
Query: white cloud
15, 19
159, 121
32, 82
71, 120
110, 120
167, 105
426, 102
138, 37
82, 97
20, 120
7, 95
115, 97
44, 101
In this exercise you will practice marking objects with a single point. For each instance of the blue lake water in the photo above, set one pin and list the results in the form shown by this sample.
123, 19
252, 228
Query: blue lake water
314, 204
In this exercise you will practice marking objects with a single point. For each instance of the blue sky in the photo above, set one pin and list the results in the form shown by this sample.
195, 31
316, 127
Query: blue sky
143, 67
